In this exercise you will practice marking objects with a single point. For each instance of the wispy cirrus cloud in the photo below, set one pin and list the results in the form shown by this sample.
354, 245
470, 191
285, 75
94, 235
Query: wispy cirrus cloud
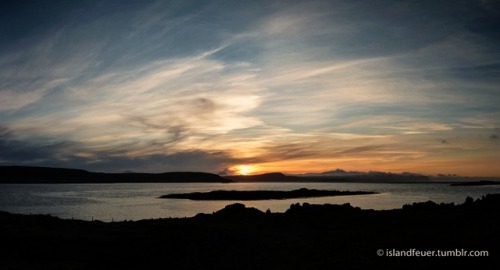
317, 83
170, 94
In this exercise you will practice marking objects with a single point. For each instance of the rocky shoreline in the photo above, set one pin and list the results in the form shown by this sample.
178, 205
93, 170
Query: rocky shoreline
306, 236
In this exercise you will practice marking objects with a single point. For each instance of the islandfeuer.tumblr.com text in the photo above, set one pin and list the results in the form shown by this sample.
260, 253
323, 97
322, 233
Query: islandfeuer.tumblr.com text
431, 253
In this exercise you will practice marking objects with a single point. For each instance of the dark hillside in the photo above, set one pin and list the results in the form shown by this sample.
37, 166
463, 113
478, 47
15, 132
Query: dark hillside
26, 174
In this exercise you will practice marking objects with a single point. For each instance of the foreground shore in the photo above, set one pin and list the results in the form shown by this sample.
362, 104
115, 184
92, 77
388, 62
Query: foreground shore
305, 237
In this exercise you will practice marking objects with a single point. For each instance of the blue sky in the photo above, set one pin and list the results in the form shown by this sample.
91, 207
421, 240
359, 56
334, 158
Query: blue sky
292, 86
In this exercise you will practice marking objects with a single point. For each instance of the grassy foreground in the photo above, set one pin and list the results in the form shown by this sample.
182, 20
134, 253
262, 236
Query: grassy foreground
305, 237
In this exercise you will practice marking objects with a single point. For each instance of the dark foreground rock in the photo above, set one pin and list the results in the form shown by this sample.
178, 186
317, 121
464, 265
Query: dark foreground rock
249, 195
305, 237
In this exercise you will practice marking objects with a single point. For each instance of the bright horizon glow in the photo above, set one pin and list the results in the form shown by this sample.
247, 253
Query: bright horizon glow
286, 86
244, 169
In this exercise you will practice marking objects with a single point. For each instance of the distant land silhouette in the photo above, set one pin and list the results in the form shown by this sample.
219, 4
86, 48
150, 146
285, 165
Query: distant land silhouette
477, 183
266, 177
335, 176
306, 236
25, 174
248, 195
31, 174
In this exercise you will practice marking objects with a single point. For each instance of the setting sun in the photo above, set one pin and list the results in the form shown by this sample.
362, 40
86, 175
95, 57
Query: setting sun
245, 169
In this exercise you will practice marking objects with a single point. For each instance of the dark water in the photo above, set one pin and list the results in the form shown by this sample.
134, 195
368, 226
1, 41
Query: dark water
119, 202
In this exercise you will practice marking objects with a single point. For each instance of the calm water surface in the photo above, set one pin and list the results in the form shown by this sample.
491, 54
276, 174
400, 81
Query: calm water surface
117, 202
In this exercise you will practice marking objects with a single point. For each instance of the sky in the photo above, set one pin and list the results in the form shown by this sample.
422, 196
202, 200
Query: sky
251, 86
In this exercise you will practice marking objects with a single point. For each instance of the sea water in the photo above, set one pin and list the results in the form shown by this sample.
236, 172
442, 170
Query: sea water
133, 201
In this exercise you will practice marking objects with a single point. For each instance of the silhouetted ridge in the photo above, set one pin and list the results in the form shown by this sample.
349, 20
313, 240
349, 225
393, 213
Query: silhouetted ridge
477, 183
26, 174
334, 176
266, 177
15, 174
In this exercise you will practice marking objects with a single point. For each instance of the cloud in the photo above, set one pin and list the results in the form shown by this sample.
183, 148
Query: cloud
28, 73
20, 87
14, 150
174, 96
74, 155
181, 161
311, 81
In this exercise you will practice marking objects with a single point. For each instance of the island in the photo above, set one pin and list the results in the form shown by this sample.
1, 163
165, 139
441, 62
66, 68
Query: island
249, 195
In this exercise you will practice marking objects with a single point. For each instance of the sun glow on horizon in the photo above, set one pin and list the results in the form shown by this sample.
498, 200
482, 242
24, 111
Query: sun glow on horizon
244, 169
